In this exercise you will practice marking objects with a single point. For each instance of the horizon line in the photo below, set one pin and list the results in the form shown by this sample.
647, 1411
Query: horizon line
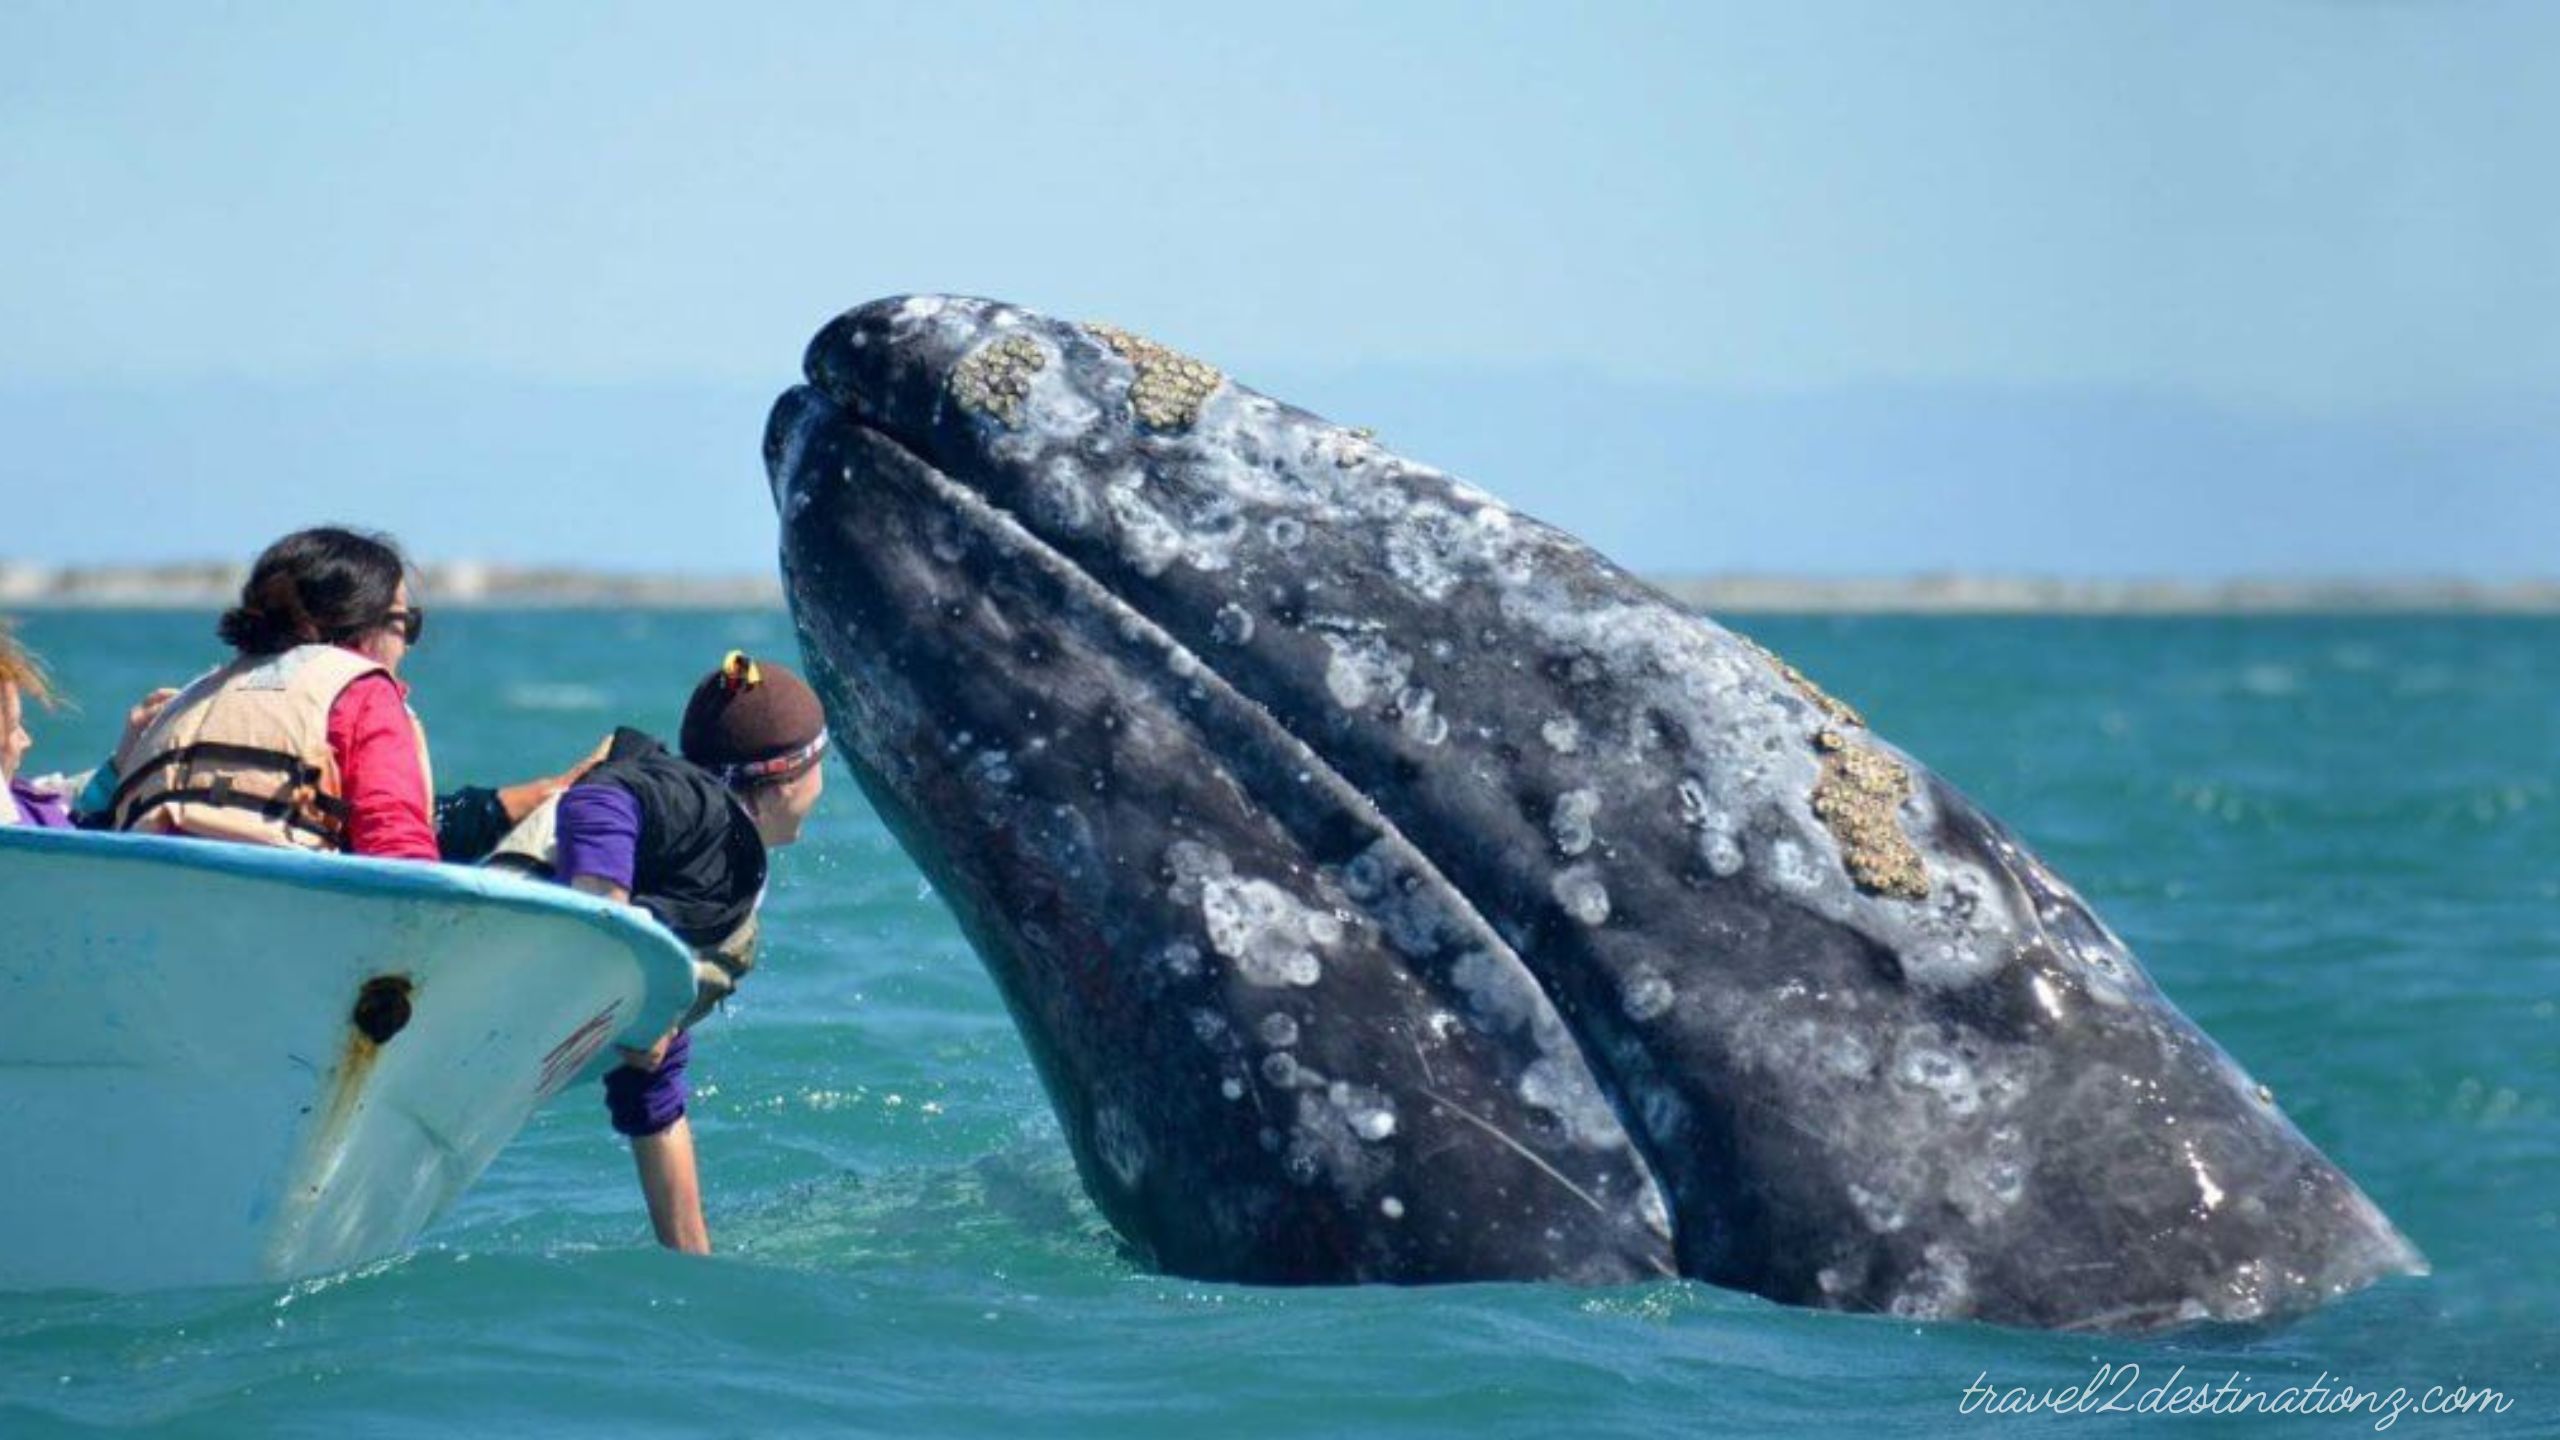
471, 584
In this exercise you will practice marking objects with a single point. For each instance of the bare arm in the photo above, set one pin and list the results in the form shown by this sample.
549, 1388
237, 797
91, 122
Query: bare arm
670, 1180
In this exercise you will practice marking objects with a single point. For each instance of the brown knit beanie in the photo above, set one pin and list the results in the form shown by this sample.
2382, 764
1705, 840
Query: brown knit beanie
753, 722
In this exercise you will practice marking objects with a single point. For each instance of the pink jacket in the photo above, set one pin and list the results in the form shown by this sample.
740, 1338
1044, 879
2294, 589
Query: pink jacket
376, 742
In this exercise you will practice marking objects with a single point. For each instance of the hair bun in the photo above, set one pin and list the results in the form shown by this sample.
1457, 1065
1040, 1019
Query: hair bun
269, 618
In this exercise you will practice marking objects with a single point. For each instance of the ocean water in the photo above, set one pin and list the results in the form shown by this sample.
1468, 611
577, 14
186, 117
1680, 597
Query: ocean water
2335, 842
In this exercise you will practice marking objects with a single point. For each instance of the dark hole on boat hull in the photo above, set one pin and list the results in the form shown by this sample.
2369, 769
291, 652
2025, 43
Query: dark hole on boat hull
382, 1008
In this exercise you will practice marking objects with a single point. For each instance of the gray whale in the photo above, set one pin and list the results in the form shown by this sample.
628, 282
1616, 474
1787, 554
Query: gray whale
1390, 888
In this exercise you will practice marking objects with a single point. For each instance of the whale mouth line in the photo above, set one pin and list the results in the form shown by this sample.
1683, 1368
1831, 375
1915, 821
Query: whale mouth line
994, 522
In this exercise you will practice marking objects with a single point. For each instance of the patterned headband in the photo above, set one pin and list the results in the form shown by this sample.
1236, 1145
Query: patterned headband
799, 757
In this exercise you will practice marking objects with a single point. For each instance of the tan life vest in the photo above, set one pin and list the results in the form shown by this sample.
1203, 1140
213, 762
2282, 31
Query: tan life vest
533, 848
243, 754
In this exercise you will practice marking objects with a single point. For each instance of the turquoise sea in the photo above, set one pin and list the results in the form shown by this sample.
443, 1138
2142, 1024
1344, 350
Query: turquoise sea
2335, 841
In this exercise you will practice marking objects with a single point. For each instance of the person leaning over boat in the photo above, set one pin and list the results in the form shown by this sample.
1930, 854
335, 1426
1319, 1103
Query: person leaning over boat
304, 738
685, 837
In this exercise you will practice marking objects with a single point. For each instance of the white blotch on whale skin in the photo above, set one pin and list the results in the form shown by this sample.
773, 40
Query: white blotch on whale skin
1363, 668
1648, 996
1582, 895
1792, 868
1233, 625
1571, 822
1424, 551
1148, 540
1410, 915
1392, 1208
1123, 1148
2208, 1194
1210, 544
1191, 863
1562, 735
1847, 1056
1232, 1088
1883, 1213
1565, 1091
1369, 1113
1061, 500
1423, 722
1722, 852
2004, 1171
1278, 1031
1663, 1113
1262, 929
1285, 532
1941, 1288
1365, 876
1500, 994
1333, 1132
1717, 844
1651, 1209
1934, 1071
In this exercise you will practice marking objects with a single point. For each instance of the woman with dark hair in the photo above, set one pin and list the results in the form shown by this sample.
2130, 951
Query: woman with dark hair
304, 738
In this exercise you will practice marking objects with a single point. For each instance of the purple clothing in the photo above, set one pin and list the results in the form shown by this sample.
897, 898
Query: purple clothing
644, 1102
599, 835
40, 809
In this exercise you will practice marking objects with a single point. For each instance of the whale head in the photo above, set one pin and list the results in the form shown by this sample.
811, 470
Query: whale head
1388, 886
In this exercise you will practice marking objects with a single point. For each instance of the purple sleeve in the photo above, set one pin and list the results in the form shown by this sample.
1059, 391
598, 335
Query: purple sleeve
644, 1102
40, 809
598, 829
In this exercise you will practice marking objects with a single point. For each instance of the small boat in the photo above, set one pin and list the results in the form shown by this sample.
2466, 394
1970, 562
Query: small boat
225, 1064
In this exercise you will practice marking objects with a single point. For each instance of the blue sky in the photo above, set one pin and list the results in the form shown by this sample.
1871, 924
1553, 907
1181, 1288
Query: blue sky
2133, 288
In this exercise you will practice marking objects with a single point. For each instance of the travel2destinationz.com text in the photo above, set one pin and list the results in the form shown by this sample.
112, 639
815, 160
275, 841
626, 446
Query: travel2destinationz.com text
2119, 1390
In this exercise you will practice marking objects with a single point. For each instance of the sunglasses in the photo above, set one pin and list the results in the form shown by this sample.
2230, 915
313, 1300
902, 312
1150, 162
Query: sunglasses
412, 623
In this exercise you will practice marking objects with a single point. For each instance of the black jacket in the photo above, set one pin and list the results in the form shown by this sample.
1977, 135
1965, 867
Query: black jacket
700, 865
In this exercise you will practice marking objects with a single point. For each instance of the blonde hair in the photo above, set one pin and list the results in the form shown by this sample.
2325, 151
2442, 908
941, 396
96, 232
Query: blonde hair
21, 667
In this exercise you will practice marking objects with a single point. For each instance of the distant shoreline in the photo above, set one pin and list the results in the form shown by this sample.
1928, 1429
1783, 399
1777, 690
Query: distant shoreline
473, 585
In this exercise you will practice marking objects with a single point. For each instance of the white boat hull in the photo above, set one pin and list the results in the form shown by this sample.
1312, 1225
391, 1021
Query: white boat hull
188, 1095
